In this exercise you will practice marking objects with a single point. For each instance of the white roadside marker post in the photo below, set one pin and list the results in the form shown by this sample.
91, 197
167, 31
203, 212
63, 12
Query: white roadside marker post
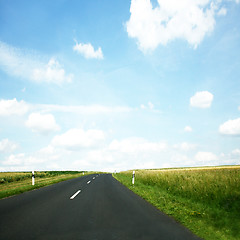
133, 177
33, 178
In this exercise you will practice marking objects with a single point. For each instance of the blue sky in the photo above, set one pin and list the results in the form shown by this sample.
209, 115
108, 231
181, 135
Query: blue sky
115, 85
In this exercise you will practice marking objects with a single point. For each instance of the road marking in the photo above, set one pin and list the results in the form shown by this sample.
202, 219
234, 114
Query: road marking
75, 194
88, 182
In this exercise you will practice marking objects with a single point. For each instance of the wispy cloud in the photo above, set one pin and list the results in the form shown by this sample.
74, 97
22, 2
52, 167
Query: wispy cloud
87, 50
188, 129
137, 145
83, 109
7, 146
28, 65
206, 158
222, 12
10, 107
184, 146
77, 139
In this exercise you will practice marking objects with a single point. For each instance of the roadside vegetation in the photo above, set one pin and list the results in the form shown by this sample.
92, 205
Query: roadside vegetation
205, 200
12, 183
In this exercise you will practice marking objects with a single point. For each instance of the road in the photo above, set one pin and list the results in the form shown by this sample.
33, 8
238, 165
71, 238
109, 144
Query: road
93, 207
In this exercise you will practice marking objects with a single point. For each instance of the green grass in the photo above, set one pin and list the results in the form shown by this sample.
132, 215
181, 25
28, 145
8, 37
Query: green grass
12, 183
206, 200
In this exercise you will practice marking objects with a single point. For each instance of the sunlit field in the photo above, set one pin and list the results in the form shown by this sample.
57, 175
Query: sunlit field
206, 200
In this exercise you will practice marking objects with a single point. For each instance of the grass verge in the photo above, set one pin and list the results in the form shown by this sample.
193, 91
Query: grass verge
12, 183
205, 200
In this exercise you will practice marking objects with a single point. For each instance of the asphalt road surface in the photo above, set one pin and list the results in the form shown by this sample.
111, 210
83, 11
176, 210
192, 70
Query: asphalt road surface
93, 207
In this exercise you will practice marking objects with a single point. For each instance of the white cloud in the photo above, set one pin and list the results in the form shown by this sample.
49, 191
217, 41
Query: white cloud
135, 152
188, 129
51, 73
201, 99
88, 51
206, 158
42, 123
77, 139
236, 152
83, 109
47, 150
230, 127
14, 159
184, 146
27, 65
178, 159
222, 12
136, 145
169, 20
92, 151
151, 106
13, 107
21, 159
7, 146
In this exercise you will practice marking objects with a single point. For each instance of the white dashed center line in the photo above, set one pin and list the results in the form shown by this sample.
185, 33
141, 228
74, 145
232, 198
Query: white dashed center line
75, 194
88, 182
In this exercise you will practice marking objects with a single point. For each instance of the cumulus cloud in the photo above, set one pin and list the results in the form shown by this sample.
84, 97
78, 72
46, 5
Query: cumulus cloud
13, 107
42, 123
88, 51
169, 20
76, 139
27, 65
230, 127
7, 146
201, 99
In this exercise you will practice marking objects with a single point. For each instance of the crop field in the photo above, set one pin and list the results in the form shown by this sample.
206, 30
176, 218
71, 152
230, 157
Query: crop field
12, 183
206, 200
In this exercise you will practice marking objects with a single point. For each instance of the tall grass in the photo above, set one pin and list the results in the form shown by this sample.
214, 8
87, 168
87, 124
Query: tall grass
206, 200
